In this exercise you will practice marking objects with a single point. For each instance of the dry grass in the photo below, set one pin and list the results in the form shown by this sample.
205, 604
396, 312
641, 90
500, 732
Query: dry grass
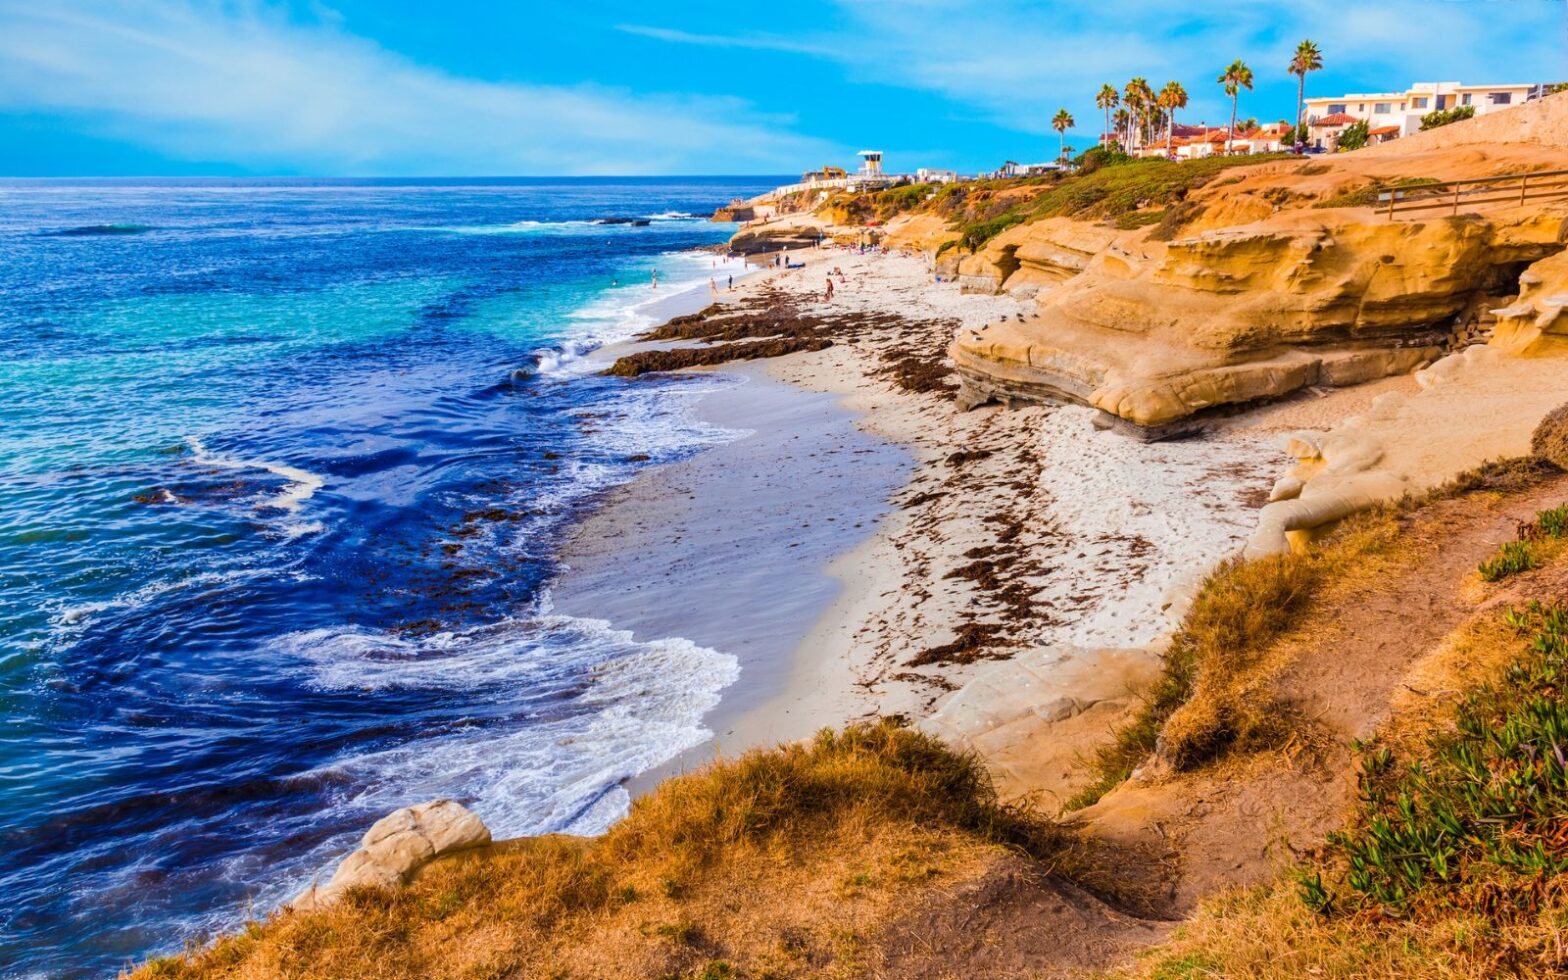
1214, 695
780, 863
1489, 899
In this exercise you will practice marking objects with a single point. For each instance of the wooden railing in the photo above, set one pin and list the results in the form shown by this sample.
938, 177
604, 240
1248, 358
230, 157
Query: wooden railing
1509, 189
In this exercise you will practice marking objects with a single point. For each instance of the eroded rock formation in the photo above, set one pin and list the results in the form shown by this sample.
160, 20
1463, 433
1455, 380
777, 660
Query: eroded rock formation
1263, 288
1155, 333
398, 845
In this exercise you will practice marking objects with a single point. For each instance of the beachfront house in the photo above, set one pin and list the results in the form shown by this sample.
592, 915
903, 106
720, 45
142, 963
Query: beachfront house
1013, 168
931, 175
1390, 115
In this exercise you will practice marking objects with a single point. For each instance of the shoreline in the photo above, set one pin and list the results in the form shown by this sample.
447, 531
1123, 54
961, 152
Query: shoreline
969, 543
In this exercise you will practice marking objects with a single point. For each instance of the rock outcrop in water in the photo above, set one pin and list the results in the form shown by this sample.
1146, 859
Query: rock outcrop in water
398, 845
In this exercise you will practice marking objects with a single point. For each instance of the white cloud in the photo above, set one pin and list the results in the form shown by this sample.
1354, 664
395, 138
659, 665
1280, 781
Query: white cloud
756, 42
244, 84
1015, 63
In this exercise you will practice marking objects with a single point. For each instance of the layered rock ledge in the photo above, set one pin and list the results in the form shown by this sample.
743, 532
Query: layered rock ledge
1268, 282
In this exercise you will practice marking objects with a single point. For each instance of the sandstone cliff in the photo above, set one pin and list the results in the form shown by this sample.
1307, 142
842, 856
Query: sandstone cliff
1270, 281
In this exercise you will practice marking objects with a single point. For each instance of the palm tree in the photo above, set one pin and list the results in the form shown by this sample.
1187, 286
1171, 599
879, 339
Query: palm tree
1171, 98
1107, 100
1062, 122
1122, 120
1137, 96
1237, 76
1307, 58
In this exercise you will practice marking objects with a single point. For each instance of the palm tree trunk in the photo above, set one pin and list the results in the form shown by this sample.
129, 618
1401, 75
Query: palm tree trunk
1301, 108
1230, 133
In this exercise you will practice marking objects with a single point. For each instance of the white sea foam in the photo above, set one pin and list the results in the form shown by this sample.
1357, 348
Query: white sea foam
302, 484
622, 312
595, 707
68, 619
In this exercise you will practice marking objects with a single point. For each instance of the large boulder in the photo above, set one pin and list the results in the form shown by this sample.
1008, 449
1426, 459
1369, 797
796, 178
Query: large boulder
1550, 439
396, 846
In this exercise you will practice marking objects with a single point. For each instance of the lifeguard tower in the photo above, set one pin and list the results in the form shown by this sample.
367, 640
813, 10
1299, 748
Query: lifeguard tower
872, 167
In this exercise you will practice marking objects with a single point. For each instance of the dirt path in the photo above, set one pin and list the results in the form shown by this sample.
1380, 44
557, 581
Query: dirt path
1240, 821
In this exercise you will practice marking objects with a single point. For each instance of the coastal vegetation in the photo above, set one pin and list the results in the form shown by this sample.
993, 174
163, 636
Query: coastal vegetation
1109, 186
1442, 117
1308, 58
776, 863
1234, 78
1212, 697
1453, 863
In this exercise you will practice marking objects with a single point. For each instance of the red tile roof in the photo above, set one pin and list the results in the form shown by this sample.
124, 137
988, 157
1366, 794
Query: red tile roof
1337, 119
1383, 131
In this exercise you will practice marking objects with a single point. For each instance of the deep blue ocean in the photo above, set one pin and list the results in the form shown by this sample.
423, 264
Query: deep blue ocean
283, 464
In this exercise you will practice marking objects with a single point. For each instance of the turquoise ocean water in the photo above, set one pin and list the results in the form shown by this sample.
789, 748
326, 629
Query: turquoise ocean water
282, 469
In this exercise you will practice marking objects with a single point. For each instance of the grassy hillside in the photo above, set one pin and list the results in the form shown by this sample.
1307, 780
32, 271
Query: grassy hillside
776, 864
1128, 192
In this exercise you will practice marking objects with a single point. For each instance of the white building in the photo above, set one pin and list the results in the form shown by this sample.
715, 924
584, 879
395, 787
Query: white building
872, 167
930, 175
1390, 115
1013, 168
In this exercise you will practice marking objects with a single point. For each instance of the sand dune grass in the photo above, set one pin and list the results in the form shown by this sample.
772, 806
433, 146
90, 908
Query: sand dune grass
780, 863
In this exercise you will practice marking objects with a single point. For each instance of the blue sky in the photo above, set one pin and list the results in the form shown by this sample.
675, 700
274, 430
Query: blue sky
460, 87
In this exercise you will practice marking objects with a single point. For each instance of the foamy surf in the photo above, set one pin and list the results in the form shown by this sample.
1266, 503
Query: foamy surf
589, 707
302, 484
623, 312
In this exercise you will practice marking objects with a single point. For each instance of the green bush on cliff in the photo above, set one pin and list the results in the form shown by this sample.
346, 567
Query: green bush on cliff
1355, 136
1477, 816
1442, 117
1110, 193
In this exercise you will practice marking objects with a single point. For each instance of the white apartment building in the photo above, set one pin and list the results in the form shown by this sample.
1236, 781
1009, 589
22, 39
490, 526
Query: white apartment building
1393, 114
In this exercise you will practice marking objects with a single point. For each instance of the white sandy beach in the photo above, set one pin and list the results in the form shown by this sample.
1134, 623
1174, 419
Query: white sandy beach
824, 556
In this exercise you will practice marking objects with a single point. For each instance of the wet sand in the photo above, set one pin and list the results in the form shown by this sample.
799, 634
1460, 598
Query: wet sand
730, 549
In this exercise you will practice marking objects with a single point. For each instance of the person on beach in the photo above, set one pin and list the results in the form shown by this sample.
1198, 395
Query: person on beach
732, 284
656, 279
713, 286
829, 297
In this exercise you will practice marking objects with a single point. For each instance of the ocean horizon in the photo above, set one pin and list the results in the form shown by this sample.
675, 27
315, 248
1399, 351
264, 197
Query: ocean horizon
285, 474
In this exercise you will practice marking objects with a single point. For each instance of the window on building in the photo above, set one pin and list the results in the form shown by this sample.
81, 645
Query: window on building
1464, 99
1502, 98
1341, 107
1382, 107
1419, 102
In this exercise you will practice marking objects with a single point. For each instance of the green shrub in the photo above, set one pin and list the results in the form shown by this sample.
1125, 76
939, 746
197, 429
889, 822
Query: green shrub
1515, 557
1355, 136
1477, 823
1367, 196
1442, 117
